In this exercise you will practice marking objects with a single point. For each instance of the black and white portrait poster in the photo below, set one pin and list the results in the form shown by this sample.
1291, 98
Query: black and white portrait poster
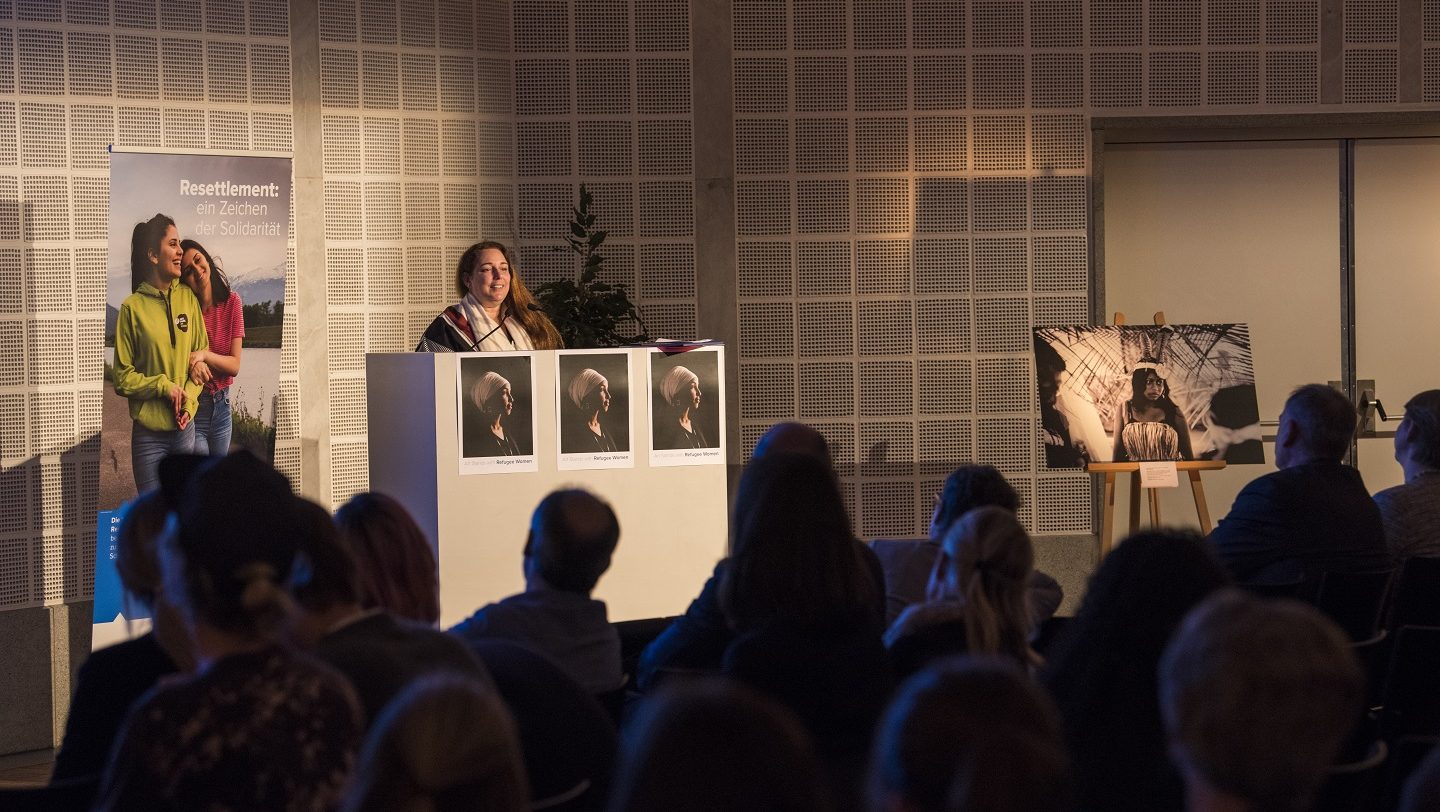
497, 413
592, 411
1147, 394
687, 399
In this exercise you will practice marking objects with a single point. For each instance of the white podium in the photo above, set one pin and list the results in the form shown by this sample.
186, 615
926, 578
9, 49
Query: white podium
673, 522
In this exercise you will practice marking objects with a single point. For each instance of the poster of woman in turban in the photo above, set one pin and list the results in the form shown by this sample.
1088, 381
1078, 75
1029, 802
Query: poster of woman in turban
592, 389
686, 401
497, 415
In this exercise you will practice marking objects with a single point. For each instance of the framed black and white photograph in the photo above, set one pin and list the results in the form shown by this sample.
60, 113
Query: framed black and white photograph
592, 411
497, 413
1147, 394
687, 399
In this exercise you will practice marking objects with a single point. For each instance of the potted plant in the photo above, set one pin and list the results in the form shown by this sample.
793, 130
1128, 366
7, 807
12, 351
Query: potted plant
587, 311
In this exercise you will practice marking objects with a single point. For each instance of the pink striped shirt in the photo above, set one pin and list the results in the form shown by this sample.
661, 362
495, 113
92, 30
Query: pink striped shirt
224, 323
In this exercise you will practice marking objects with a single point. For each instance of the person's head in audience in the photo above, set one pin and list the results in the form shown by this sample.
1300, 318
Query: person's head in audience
1417, 440
324, 584
720, 746
1037, 776
792, 438
393, 558
228, 553
572, 538
136, 556
1316, 425
137, 561
985, 562
445, 743
941, 722
1257, 696
969, 487
793, 556
1102, 669
1137, 597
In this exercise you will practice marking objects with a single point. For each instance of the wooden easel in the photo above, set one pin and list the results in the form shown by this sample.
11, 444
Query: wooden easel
1191, 467
1110, 469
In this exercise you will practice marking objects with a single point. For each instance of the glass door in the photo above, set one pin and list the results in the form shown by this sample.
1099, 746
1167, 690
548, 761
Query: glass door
1397, 284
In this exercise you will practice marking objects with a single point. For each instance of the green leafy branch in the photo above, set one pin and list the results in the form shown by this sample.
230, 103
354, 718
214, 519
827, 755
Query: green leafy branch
591, 313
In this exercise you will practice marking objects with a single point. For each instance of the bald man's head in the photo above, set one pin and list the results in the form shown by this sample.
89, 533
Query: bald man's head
572, 537
793, 438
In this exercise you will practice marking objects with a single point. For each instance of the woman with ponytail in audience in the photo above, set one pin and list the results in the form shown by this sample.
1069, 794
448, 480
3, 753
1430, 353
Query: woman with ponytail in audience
258, 727
975, 602
216, 366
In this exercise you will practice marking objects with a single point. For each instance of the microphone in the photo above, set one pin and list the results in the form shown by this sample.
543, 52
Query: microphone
475, 346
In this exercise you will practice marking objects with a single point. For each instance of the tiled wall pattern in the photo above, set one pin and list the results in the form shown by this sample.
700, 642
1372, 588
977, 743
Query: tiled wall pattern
911, 197
76, 77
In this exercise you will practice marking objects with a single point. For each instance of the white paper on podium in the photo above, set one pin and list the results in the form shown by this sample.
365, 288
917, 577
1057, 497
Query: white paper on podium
1159, 475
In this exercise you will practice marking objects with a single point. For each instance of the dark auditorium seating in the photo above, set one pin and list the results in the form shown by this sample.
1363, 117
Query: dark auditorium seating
1354, 600
1283, 589
1406, 753
1417, 594
1351, 786
1410, 697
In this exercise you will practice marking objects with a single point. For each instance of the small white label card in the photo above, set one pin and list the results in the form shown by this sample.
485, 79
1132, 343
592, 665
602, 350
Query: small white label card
1159, 475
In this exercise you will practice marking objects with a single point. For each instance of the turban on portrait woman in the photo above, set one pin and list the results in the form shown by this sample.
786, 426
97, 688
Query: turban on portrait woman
486, 388
583, 385
676, 381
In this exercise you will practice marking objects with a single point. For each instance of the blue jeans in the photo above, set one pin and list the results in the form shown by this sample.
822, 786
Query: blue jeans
213, 424
148, 447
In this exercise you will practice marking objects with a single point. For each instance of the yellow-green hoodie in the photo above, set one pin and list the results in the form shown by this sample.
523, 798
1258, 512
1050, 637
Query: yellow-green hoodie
154, 336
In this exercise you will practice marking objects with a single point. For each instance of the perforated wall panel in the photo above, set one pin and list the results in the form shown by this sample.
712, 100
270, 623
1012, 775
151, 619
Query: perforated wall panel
911, 178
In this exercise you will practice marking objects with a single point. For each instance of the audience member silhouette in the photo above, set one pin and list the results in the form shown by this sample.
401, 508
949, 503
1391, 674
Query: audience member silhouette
568, 740
696, 641
395, 561
1411, 512
1102, 670
936, 732
907, 563
721, 747
379, 653
976, 599
805, 609
258, 727
572, 538
112, 679
1036, 776
1314, 514
1257, 696
445, 744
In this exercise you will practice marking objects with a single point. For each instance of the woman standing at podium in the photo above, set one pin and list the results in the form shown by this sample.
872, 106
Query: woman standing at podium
496, 312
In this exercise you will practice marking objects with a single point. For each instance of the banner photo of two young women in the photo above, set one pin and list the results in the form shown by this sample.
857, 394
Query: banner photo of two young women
195, 297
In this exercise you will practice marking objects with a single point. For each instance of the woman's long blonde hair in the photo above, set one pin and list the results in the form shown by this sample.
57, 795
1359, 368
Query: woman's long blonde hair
446, 742
986, 563
517, 302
